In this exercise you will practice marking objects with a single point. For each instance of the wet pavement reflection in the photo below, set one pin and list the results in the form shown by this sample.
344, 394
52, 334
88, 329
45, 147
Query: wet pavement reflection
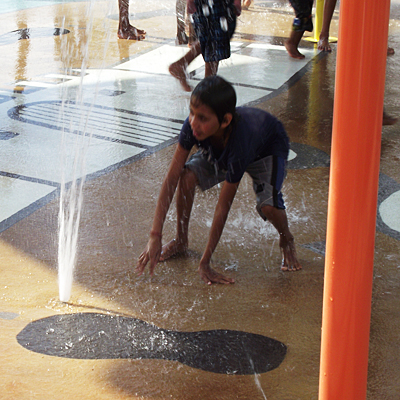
259, 338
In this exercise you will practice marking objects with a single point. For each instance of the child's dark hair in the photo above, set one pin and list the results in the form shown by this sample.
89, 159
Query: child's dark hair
216, 93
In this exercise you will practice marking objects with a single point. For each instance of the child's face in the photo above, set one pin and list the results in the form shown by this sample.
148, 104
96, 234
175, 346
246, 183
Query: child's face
204, 122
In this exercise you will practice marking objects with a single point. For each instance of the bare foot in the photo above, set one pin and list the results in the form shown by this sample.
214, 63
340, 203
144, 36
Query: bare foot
388, 119
210, 276
131, 33
246, 4
179, 72
324, 45
293, 51
390, 51
289, 255
171, 249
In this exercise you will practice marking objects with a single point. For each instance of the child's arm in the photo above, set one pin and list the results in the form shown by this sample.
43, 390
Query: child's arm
225, 200
152, 251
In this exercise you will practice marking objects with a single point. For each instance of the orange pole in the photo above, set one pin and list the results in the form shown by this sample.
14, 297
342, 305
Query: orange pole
353, 193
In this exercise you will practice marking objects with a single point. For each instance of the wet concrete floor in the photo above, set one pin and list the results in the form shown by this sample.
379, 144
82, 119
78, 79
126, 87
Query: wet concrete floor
169, 336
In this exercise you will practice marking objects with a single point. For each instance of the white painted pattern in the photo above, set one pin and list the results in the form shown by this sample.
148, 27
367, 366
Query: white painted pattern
147, 112
389, 211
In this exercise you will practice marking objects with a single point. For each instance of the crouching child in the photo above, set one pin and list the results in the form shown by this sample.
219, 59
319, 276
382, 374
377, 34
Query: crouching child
231, 141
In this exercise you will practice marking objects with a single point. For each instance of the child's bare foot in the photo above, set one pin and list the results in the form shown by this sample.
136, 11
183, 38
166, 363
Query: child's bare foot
171, 249
246, 4
324, 45
293, 51
179, 72
289, 255
131, 33
210, 276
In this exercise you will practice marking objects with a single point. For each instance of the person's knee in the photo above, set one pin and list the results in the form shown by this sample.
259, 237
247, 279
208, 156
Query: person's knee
269, 212
188, 178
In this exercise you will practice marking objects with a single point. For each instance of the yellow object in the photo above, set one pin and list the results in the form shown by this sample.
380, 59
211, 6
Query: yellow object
319, 12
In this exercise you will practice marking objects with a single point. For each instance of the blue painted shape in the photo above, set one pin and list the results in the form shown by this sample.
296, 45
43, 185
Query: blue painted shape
100, 336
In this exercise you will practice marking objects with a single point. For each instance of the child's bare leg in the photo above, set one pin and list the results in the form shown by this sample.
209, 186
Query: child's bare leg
178, 68
181, 37
278, 219
211, 68
329, 9
184, 202
125, 29
292, 44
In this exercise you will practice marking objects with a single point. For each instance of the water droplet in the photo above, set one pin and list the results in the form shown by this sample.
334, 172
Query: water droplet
206, 11
224, 24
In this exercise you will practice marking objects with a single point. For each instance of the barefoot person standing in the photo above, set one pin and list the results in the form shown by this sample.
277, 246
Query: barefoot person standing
125, 29
231, 141
301, 23
214, 24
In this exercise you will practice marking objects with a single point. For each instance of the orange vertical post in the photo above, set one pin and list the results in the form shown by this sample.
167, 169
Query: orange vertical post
353, 194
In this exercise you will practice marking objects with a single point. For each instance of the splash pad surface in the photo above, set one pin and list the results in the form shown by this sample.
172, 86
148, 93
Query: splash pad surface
128, 82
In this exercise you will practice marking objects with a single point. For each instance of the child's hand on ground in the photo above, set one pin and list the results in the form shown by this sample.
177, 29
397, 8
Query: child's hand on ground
151, 254
210, 276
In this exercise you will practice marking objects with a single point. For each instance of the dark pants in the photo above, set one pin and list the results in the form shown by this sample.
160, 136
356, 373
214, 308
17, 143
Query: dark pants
303, 11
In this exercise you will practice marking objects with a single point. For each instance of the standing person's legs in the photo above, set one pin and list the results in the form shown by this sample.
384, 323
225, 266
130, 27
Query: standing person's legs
211, 68
217, 46
292, 44
178, 68
302, 23
181, 37
125, 29
329, 8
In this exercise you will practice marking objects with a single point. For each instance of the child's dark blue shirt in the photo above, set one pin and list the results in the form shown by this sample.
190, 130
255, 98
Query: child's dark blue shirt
256, 134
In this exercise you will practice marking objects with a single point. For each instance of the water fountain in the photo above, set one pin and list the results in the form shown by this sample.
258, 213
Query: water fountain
73, 171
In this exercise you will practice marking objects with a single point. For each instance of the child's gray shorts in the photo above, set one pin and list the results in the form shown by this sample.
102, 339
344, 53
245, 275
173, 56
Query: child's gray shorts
267, 175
